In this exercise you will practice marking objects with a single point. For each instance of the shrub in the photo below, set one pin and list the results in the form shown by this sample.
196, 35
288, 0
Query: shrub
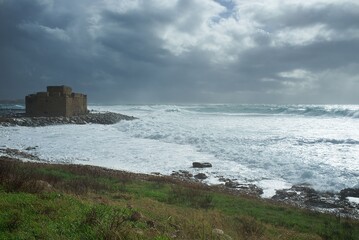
13, 222
249, 227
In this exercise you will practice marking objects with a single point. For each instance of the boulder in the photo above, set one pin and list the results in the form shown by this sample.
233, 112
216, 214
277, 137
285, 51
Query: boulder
231, 184
200, 176
201, 164
250, 189
349, 192
181, 174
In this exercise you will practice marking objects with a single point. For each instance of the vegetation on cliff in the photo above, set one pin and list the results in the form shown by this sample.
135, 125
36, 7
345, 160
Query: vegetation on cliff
48, 201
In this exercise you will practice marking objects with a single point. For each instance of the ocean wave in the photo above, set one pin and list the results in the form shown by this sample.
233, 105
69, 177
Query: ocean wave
349, 111
11, 107
330, 141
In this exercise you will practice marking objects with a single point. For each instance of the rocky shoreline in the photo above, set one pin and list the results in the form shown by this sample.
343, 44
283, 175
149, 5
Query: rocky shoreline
20, 119
302, 196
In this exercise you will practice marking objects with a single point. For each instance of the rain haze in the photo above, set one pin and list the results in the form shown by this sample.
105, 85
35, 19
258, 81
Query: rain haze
184, 51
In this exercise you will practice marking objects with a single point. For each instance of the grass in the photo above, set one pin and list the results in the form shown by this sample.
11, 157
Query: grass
43, 201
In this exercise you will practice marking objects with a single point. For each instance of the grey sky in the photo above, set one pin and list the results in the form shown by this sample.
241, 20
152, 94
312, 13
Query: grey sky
151, 51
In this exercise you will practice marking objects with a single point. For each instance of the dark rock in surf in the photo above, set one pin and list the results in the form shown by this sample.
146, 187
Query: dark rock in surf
182, 174
200, 176
306, 197
201, 165
231, 184
92, 117
349, 192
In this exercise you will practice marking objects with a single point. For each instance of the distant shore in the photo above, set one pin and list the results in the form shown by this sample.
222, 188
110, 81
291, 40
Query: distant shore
17, 118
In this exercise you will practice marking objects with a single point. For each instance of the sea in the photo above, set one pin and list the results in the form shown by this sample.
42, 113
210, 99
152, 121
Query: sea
272, 146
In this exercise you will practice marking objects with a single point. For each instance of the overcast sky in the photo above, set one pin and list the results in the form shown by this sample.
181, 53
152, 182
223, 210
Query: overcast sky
184, 51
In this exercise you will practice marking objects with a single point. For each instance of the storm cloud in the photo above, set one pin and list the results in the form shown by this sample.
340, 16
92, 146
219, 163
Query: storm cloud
161, 51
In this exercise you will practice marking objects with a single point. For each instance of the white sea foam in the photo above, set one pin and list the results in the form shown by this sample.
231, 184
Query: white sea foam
353, 199
268, 145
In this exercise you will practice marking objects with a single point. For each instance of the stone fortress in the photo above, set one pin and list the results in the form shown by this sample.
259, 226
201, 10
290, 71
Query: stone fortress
57, 101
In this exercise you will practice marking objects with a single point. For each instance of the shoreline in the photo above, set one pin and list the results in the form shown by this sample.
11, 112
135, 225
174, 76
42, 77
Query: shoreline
300, 196
12, 119
344, 202
41, 200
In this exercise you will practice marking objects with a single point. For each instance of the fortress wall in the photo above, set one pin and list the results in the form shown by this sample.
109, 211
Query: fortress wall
36, 104
79, 104
57, 101
45, 105
56, 106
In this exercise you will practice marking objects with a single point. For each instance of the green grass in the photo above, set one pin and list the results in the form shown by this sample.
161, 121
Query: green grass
86, 202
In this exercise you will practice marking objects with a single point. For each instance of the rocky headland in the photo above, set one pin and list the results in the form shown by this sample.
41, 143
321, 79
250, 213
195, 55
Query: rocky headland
20, 119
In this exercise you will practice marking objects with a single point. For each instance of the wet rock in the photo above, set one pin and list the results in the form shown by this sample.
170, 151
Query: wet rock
200, 176
306, 197
30, 148
182, 174
249, 189
18, 154
297, 193
349, 192
231, 184
95, 118
201, 165
223, 179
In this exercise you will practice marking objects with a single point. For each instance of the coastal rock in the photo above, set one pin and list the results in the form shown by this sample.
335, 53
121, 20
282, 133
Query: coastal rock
349, 192
18, 154
182, 174
297, 193
306, 197
200, 176
250, 189
201, 165
92, 117
230, 184
30, 148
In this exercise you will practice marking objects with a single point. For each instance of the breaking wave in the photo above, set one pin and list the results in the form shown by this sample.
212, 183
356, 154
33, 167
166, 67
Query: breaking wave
349, 111
330, 141
11, 109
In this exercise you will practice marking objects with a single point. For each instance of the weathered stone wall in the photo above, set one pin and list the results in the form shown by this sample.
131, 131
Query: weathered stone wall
45, 105
57, 101
78, 104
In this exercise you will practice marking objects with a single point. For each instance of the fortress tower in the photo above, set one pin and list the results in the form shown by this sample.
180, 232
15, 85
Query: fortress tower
57, 101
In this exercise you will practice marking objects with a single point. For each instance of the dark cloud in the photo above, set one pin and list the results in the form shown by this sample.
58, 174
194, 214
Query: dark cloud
182, 51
